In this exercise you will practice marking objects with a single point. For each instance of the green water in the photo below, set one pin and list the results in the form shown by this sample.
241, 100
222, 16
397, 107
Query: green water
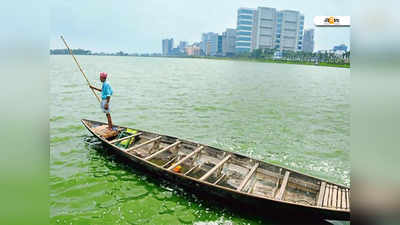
292, 115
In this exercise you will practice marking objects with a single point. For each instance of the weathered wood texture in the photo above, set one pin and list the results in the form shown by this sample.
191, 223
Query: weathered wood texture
186, 157
247, 178
143, 144
221, 163
162, 150
283, 186
321, 194
124, 138
105, 132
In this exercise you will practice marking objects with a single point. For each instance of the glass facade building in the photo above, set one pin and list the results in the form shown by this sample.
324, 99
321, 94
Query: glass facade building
167, 46
244, 29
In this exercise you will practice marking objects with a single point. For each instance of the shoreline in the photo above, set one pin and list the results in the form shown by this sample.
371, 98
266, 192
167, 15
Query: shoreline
241, 59
271, 61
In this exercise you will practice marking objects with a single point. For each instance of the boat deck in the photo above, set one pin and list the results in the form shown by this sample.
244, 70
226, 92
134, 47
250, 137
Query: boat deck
233, 171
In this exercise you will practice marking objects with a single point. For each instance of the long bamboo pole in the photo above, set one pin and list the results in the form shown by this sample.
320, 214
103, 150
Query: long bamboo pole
76, 61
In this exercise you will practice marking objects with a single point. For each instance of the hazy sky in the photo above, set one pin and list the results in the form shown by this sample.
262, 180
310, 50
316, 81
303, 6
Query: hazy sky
139, 26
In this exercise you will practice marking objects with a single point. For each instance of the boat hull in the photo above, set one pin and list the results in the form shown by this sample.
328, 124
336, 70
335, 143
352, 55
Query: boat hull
259, 206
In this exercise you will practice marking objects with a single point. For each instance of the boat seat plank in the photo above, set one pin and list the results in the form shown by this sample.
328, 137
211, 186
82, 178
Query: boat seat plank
301, 183
212, 170
124, 138
170, 161
283, 185
330, 195
343, 199
186, 157
334, 196
321, 193
219, 179
339, 198
277, 183
249, 175
191, 169
326, 195
163, 150
143, 144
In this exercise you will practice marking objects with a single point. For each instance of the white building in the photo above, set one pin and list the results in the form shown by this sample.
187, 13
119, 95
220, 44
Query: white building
228, 42
264, 28
290, 26
209, 43
308, 43
244, 29
273, 29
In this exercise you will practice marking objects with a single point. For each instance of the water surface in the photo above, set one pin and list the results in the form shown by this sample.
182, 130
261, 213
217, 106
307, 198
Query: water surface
292, 115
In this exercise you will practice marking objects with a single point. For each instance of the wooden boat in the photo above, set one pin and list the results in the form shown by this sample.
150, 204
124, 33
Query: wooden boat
262, 186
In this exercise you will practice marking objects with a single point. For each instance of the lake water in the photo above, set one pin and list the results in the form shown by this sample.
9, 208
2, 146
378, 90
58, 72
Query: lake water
291, 115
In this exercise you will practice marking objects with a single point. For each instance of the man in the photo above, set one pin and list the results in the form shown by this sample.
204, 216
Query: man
106, 93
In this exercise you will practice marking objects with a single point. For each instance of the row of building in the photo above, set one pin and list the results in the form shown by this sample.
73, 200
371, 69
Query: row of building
259, 28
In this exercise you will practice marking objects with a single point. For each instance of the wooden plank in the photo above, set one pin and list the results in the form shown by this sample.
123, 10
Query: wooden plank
170, 161
221, 163
283, 186
143, 144
162, 150
252, 185
334, 196
104, 131
339, 198
343, 199
321, 193
330, 195
326, 195
191, 169
219, 179
155, 147
277, 183
347, 199
244, 182
124, 138
305, 185
186, 157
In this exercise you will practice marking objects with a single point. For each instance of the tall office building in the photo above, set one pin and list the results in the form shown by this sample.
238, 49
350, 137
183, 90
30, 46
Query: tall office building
308, 42
182, 45
290, 26
264, 28
228, 42
209, 43
167, 45
244, 29
280, 30
219, 45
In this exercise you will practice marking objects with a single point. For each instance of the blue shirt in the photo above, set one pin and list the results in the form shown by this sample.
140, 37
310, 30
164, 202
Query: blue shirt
106, 90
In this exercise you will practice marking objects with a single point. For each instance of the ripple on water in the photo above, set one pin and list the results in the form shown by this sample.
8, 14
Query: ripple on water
294, 116
54, 140
55, 118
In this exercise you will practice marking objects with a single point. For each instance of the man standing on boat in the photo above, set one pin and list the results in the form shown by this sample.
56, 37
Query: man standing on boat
106, 92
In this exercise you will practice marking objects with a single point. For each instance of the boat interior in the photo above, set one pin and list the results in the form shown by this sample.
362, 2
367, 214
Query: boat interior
228, 170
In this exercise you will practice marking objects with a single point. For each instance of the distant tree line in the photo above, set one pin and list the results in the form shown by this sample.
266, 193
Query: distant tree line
74, 51
88, 52
259, 54
314, 57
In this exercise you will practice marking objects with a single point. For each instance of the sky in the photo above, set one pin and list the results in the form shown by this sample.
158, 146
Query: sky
139, 26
